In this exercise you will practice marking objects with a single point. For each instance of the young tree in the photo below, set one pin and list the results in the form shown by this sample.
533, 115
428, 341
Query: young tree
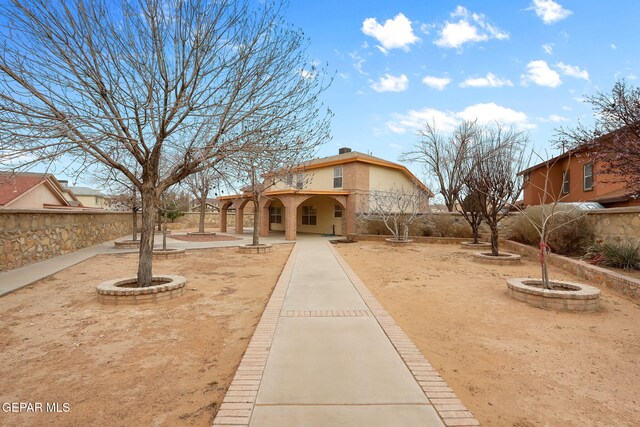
201, 184
492, 174
398, 208
443, 157
148, 82
615, 136
469, 203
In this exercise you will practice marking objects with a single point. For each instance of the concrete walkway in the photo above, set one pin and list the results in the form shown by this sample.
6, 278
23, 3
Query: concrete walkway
20, 277
326, 353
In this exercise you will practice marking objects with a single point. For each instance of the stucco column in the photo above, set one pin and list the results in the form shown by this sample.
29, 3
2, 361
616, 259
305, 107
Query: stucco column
239, 219
223, 218
264, 219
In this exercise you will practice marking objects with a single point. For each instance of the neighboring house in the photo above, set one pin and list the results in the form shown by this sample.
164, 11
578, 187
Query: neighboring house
26, 190
89, 197
324, 195
575, 177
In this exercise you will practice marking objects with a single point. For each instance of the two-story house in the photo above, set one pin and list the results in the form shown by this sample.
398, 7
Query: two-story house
324, 195
575, 176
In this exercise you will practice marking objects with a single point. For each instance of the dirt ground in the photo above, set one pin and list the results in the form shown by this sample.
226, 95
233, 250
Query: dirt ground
148, 365
510, 363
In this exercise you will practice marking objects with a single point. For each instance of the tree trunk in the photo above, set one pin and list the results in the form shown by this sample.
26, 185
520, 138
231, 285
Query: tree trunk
257, 221
149, 211
475, 227
164, 231
135, 223
135, 216
203, 212
494, 240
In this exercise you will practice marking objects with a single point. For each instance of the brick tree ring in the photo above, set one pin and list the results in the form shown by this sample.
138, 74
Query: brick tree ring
124, 292
168, 253
504, 258
255, 249
201, 233
564, 296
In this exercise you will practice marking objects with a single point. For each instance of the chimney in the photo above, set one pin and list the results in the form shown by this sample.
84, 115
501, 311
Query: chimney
63, 183
344, 150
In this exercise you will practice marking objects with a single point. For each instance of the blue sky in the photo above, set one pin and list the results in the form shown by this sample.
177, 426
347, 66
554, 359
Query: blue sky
525, 63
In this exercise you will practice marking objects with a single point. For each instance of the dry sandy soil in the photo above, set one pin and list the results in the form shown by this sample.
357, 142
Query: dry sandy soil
510, 363
165, 364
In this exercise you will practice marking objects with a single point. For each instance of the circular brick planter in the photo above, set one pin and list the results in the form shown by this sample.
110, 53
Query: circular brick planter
255, 249
475, 246
504, 258
395, 242
204, 233
168, 254
566, 296
123, 292
127, 244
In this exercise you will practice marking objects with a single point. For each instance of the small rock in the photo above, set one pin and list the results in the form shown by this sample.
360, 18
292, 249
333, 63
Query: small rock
31, 324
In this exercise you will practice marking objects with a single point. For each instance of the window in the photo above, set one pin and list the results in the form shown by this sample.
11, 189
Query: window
565, 182
337, 211
337, 177
289, 180
309, 215
275, 214
588, 176
299, 181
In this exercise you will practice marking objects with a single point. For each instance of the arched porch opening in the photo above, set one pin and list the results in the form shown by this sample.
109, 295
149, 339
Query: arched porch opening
323, 214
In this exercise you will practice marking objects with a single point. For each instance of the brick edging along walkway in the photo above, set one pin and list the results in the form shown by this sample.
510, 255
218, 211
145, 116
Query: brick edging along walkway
239, 401
449, 407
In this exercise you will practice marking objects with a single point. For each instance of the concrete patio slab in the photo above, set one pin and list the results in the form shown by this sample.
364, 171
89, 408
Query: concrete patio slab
347, 416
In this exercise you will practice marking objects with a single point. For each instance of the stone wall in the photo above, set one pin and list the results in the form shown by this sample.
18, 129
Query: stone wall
211, 220
616, 224
28, 236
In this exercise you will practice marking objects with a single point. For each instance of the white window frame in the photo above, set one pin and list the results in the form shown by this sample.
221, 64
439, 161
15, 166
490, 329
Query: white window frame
337, 175
566, 181
275, 212
584, 176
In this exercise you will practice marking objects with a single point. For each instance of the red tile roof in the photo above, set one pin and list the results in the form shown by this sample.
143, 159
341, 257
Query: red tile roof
14, 185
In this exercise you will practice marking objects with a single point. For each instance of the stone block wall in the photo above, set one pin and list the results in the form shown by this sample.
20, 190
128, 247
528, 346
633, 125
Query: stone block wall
211, 220
616, 224
28, 236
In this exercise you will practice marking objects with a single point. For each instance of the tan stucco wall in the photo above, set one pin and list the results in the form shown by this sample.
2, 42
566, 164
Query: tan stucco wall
90, 201
35, 198
385, 179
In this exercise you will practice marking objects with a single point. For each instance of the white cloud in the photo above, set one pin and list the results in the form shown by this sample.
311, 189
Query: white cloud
554, 118
390, 83
539, 73
573, 71
549, 11
448, 120
395, 33
358, 62
566, 108
438, 83
613, 46
307, 74
491, 80
548, 47
470, 27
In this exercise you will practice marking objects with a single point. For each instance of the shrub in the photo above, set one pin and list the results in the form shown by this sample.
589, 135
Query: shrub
620, 255
573, 237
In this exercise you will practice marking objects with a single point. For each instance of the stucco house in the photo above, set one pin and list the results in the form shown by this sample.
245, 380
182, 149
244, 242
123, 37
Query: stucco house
26, 190
575, 177
89, 197
324, 195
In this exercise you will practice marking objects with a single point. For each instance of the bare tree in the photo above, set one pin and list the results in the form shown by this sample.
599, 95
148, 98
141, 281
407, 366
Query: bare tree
125, 194
148, 82
398, 208
201, 184
492, 174
614, 139
443, 157
550, 215
469, 203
